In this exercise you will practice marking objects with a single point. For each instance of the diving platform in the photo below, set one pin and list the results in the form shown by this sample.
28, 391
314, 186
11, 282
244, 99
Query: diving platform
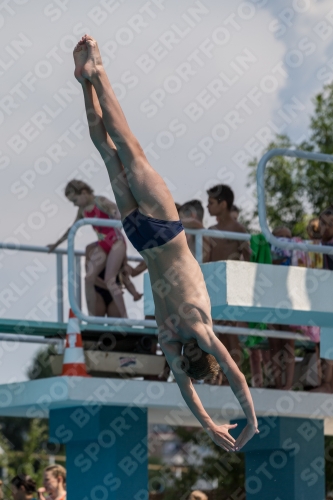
244, 291
264, 293
35, 399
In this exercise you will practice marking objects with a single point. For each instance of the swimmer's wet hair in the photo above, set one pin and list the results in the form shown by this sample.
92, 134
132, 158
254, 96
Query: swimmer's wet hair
77, 186
198, 364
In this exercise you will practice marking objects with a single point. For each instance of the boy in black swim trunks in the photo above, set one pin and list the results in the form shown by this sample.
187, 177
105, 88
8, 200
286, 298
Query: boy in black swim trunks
150, 218
105, 305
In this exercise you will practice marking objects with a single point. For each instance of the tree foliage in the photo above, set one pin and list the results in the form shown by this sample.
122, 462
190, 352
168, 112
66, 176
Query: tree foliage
298, 189
31, 458
24, 440
217, 466
40, 367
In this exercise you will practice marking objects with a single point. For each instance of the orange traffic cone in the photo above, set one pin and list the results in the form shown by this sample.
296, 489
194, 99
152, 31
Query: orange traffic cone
74, 364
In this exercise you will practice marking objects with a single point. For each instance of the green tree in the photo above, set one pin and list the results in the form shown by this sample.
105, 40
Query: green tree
284, 187
319, 175
16, 429
296, 189
40, 367
24, 440
227, 469
30, 459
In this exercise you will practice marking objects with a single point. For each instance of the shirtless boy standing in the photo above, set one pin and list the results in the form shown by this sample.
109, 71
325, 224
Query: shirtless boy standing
220, 205
191, 214
151, 222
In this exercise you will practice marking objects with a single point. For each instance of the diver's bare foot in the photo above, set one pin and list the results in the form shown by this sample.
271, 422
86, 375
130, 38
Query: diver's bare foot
93, 65
80, 54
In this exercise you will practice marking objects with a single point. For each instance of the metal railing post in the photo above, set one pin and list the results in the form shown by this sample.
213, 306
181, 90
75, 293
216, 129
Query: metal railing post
60, 290
78, 285
198, 247
305, 155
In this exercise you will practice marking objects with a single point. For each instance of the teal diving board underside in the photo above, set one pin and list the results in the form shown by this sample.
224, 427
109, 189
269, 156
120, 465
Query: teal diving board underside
54, 329
263, 293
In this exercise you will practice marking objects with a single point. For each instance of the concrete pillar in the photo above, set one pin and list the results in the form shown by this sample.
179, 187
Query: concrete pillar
106, 451
286, 461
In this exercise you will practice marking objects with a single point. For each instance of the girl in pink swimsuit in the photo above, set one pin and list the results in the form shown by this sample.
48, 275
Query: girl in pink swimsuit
108, 252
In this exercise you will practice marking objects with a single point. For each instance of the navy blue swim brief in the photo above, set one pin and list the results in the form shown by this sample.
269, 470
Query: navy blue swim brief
146, 232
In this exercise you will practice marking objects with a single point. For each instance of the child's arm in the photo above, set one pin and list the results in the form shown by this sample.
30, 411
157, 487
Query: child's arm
135, 271
100, 283
64, 237
129, 285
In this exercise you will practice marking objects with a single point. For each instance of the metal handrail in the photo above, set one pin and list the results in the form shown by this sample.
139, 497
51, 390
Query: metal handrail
126, 322
199, 233
32, 339
307, 247
76, 270
61, 251
213, 233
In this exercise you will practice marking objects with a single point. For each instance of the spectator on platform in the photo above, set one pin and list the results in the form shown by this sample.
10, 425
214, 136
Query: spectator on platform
23, 487
54, 483
105, 305
135, 271
282, 351
234, 212
109, 251
310, 260
313, 230
191, 214
220, 202
326, 231
198, 495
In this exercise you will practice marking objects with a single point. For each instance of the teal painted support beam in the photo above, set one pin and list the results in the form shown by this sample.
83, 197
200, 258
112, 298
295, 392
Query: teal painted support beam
326, 343
286, 461
106, 451
53, 329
